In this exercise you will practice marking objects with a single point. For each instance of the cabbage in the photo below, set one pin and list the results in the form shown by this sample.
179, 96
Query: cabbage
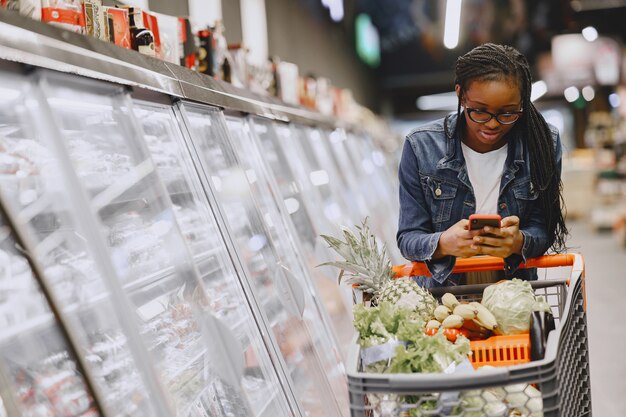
511, 302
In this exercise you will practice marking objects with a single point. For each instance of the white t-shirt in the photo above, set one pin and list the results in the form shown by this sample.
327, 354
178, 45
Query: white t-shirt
485, 173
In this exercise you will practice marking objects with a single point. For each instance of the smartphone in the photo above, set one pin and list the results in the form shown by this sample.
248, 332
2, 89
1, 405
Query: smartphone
478, 221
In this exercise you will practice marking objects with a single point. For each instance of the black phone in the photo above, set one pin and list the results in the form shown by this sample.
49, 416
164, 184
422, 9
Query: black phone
478, 221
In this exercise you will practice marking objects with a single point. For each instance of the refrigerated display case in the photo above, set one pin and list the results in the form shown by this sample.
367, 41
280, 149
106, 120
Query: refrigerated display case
48, 211
201, 232
244, 134
370, 187
319, 142
302, 202
335, 207
182, 282
279, 294
187, 344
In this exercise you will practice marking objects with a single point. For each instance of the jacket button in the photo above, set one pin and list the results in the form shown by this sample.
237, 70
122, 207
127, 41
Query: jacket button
503, 206
438, 192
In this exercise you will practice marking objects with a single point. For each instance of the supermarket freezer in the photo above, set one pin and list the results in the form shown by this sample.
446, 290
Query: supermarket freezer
302, 202
90, 250
89, 187
250, 220
52, 214
199, 227
368, 180
268, 199
136, 219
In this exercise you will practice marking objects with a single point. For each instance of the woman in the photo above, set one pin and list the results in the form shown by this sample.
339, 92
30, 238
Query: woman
496, 155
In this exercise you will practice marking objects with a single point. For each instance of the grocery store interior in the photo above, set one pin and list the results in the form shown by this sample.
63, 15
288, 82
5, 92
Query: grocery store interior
187, 188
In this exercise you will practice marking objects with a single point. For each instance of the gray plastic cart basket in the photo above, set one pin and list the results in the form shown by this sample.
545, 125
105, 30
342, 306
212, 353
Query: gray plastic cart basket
556, 386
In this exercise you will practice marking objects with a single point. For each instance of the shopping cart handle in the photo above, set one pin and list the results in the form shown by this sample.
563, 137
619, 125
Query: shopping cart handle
485, 263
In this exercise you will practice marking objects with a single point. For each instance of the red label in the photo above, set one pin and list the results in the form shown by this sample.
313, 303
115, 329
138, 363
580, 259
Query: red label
70, 17
150, 22
121, 30
182, 29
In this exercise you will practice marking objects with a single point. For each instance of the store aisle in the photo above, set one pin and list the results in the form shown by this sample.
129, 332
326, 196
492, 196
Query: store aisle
605, 262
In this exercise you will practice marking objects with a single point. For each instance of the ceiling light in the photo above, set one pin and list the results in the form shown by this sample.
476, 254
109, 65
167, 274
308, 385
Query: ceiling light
590, 33
452, 24
589, 93
292, 205
319, 177
571, 94
336, 9
538, 89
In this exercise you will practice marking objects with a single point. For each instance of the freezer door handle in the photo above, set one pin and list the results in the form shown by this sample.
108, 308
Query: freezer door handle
224, 344
296, 290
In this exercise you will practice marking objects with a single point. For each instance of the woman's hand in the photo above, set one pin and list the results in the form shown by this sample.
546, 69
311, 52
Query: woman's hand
501, 242
457, 241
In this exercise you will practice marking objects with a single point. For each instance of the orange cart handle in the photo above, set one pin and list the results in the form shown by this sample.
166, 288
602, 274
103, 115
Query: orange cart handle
485, 263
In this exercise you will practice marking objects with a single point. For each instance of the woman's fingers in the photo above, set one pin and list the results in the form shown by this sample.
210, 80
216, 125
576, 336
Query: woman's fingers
509, 221
492, 241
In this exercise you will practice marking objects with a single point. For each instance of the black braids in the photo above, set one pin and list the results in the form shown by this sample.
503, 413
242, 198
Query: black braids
491, 62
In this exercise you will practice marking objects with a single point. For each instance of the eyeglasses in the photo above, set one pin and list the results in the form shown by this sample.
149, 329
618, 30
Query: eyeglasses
483, 116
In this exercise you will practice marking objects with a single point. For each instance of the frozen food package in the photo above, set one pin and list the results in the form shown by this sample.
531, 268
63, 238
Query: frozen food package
28, 8
121, 28
168, 33
94, 19
151, 23
188, 48
67, 14
288, 76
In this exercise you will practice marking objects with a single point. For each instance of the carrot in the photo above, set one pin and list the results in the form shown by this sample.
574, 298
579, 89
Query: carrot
430, 331
450, 334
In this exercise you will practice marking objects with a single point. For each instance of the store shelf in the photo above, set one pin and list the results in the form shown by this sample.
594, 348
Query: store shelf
30, 325
206, 256
35, 43
191, 361
149, 279
268, 400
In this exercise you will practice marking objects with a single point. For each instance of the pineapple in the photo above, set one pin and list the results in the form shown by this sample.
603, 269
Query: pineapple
404, 292
367, 265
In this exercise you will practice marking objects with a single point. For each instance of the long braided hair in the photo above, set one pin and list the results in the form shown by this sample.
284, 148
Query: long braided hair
491, 62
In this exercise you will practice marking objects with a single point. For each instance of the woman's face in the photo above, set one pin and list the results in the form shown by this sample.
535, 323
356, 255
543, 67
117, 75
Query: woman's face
491, 96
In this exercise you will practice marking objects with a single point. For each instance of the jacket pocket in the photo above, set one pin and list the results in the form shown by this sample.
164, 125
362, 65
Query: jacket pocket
440, 195
525, 195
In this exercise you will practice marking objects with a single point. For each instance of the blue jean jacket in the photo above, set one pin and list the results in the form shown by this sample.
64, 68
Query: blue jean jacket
435, 193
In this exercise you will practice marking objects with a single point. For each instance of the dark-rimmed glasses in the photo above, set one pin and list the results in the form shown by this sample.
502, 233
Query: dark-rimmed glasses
483, 116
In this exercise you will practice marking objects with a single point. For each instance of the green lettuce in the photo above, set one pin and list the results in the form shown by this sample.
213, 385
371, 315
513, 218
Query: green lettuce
421, 353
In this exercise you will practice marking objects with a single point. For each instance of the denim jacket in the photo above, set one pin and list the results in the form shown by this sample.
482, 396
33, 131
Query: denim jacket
435, 193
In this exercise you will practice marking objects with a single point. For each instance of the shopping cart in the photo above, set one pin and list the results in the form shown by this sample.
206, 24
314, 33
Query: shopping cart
556, 386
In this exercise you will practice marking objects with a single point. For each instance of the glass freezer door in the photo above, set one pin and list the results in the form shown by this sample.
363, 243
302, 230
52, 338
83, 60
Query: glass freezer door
380, 217
301, 204
321, 144
269, 202
335, 206
39, 375
141, 239
36, 185
371, 172
200, 230
258, 253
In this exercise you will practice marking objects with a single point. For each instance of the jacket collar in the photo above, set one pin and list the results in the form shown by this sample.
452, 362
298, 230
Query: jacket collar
454, 155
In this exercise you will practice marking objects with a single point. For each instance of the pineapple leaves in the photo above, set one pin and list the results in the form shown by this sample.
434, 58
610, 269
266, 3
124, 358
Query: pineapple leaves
364, 263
